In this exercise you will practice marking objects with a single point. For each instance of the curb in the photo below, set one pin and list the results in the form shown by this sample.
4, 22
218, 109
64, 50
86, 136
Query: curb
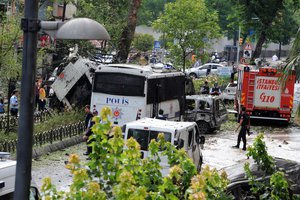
40, 151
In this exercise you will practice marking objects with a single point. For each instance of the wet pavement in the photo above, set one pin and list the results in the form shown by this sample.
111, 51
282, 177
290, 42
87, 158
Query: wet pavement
283, 142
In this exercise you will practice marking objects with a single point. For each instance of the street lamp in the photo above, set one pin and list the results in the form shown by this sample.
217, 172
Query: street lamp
81, 28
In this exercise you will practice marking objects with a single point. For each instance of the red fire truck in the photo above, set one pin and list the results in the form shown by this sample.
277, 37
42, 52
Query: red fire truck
263, 96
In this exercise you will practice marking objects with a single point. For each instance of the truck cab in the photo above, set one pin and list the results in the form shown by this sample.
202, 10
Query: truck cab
181, 134
209, 112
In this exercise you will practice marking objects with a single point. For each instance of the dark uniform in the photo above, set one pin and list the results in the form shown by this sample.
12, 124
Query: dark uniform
88, 124
205, 89
243, 131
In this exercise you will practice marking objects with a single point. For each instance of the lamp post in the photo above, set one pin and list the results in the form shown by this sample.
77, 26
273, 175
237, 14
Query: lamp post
81, 28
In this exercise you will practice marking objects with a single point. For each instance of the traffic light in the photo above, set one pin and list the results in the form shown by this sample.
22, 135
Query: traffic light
241, 41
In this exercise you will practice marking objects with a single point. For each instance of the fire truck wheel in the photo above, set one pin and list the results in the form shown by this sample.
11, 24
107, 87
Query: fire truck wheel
203, 127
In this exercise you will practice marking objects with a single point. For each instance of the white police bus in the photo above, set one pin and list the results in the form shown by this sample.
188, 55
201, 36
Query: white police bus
134, 92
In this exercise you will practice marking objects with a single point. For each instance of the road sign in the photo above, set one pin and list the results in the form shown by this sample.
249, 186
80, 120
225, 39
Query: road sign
248, 47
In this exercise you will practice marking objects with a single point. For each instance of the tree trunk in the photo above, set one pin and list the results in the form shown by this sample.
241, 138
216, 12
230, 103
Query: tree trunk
279, 53
260, 42
128, 32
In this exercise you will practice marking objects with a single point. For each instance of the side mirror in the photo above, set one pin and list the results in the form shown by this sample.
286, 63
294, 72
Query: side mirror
34, 193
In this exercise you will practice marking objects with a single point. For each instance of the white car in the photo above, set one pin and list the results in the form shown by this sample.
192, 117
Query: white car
229, 92
201, 71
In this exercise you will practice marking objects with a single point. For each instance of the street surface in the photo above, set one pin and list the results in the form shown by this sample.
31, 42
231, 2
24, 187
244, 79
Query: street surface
217, 153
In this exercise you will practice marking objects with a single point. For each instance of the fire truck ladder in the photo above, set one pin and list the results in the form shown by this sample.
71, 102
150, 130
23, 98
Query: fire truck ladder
251, 85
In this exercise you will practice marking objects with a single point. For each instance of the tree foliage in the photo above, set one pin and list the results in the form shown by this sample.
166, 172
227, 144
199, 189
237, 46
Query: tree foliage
143, 42
268, 15
277, 187
151, 10
188, 26
10, 60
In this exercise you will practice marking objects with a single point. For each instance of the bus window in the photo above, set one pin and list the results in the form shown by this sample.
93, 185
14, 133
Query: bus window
119, 84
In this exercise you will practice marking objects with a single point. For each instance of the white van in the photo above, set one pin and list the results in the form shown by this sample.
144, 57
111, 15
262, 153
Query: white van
181, 134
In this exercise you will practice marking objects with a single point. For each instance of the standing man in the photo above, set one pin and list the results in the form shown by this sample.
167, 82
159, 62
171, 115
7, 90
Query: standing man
14, 105
205, 88
88, 133
245, 125
88, 118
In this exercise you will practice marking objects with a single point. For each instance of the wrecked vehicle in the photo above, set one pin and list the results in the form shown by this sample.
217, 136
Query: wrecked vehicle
73, 86
240, 187
209, 112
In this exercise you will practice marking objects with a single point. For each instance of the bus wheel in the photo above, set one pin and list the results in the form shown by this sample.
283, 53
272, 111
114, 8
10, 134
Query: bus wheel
203, 127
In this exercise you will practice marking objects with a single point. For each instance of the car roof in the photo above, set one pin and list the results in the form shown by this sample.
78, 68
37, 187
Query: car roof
152, 124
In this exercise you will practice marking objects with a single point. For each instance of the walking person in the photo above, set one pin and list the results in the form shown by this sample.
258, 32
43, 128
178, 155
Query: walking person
88, 133
88, 117
245, 126
14, 105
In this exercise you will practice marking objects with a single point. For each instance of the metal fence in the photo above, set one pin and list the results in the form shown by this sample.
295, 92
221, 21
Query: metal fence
47, 137
13, 121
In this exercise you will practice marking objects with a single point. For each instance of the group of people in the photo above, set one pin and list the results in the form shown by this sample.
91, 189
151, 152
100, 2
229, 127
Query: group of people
212, 91
42, 93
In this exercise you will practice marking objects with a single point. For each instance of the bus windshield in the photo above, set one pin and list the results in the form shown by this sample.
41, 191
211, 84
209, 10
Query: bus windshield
144, 137
119, 84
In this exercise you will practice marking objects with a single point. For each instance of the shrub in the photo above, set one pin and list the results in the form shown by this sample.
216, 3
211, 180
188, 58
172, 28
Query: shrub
118, 172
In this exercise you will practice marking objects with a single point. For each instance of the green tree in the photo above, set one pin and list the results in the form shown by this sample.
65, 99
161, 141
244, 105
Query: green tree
118, 17
151, 10
10, 59
266, 12
224, 8
189, 24
143, 42
283, 28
